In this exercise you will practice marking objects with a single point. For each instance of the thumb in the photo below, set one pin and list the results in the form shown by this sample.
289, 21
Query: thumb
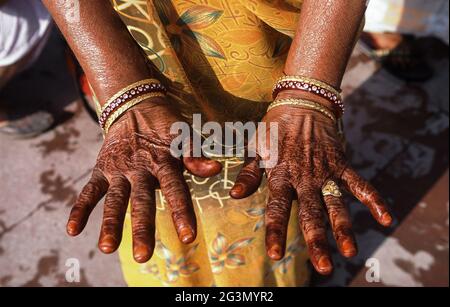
202, 167
248, 180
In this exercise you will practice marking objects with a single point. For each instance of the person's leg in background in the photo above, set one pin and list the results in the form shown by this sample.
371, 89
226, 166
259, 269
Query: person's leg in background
24, 30
392, 31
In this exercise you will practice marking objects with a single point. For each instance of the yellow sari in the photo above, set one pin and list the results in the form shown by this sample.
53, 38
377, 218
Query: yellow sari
221, 59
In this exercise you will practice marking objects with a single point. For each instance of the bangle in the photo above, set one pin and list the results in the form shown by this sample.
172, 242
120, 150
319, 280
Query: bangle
126, 106
306, 104
127, 94
310, 85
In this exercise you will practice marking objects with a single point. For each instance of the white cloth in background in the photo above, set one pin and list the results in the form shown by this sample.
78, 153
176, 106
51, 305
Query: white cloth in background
418, 17
24, 25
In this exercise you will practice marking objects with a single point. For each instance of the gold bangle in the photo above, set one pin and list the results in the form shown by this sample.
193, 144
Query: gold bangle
306, 104
126, 89
120, 111
140, 88
313, 82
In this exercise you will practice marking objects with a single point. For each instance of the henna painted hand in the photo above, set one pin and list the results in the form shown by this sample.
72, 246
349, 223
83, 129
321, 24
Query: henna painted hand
134, 159
310, 154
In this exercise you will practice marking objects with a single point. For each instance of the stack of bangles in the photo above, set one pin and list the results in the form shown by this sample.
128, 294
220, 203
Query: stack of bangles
313, 86
127, 98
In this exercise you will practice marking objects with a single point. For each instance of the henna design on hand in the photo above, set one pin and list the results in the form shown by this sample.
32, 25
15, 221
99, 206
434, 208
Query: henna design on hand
134, 161
310, 154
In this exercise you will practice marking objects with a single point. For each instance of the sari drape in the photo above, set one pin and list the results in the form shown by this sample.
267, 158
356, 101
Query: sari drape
220, 59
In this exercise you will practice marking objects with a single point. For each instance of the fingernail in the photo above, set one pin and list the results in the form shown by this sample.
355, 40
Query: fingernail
237, 189
348, 248
186, 235
386, 219
141, 253
210, 162
275, 252
72, 228
325, 264
108, 244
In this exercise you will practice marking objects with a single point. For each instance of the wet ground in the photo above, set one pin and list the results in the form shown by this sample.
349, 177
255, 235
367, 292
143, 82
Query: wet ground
398, 138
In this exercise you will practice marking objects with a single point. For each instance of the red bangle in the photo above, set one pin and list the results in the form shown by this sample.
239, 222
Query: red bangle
310, 85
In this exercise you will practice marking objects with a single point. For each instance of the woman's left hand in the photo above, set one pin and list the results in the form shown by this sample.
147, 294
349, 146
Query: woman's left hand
310, 154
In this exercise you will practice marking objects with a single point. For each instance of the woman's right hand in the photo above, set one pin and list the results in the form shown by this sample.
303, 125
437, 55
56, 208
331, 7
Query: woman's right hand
133, 162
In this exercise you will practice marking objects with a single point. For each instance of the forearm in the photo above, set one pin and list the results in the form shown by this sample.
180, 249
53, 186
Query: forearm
325, 39
102, 44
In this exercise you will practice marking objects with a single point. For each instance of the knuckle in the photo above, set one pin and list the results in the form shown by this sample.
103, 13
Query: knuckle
110, 223
167, 170
317, 244
278, 208
275, 230
142, 230
343, 231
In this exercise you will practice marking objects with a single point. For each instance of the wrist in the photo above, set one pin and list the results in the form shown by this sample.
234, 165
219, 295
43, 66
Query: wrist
107, 85
127, 98
298, 94
144, 110
148, 105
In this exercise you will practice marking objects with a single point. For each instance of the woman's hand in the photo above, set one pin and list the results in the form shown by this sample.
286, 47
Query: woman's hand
134, 161
310, 154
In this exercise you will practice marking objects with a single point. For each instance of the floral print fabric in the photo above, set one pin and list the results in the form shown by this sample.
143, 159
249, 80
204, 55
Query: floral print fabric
221, 59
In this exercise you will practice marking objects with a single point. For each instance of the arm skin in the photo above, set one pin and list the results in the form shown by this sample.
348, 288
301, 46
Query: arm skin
102, 44
325, 39
310, 152
135, 158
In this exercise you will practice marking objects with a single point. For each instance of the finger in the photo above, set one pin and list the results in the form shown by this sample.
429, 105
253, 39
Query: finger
116, 204
143, 214
277, 216
367, 194
248, 180
177, 195
202, 167
341, 225
91, 194
311, 221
